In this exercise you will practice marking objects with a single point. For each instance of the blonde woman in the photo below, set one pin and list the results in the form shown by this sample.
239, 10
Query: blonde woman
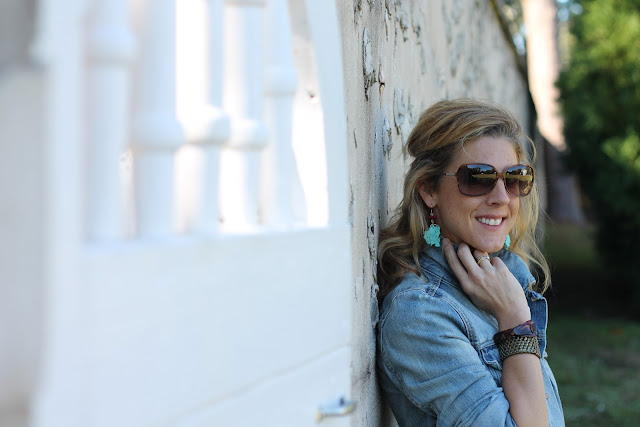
461, 338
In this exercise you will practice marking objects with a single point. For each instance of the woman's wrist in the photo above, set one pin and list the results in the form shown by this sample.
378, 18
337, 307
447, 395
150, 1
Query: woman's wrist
511, 320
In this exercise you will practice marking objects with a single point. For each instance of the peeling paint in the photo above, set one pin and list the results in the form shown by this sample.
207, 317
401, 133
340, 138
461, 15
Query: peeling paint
367, 63
399, 109
401, 114
454, 9
373, 309
381, 79
402, 21
387, 18
371, 238
455, 54
351, 203
357, 10
416, 23
449, 23
442, 81
387, 140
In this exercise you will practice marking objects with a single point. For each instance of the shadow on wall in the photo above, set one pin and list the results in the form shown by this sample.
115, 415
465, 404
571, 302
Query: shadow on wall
17, 23
20, 211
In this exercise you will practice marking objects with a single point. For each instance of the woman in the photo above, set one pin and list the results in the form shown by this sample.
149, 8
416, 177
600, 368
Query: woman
461, 338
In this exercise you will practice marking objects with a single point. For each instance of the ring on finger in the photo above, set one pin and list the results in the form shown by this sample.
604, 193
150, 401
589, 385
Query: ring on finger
482, 258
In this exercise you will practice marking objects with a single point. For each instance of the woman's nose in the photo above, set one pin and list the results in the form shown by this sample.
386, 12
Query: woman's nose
499, 193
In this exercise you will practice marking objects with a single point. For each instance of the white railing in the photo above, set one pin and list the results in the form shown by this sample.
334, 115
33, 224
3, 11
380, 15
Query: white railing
200, 78
196, 97
244, 100
157, 133
172, 118
281, 82
111, 50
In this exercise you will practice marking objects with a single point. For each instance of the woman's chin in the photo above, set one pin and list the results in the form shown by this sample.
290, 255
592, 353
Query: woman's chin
490, 247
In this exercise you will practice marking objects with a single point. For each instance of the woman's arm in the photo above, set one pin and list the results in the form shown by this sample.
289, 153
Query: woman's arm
426, 353
493, 288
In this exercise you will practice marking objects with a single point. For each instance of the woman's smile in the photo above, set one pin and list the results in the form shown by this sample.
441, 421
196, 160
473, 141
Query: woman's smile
490, 221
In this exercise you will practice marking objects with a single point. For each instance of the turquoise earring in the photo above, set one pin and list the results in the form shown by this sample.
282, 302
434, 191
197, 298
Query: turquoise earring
507, 242
432, 235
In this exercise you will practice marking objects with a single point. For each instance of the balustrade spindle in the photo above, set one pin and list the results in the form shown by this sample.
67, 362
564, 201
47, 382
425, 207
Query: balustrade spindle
278, 173
157, 132
111, 51
325, 36
200, 75
243, 100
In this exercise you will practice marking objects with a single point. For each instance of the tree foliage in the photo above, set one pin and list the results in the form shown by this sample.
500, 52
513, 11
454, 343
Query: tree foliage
600, 95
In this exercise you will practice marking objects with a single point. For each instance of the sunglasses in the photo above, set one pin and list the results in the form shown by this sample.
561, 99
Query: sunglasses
480, 179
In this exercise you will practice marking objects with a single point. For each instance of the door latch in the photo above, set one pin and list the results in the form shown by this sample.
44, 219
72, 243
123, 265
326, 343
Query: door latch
335, 408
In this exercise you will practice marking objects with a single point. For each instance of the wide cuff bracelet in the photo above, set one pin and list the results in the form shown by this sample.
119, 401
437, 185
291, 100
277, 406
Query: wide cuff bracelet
518, 345
526, 329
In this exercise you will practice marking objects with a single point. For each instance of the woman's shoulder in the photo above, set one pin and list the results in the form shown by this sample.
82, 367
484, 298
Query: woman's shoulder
410, 283
424, 295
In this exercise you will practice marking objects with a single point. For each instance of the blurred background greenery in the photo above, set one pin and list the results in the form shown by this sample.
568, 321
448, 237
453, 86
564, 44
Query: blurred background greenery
594, 334
600, 99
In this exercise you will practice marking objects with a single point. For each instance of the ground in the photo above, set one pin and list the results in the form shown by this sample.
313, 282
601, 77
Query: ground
594, 347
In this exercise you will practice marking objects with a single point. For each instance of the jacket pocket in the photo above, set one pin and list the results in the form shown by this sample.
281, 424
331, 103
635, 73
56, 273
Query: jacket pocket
491, 358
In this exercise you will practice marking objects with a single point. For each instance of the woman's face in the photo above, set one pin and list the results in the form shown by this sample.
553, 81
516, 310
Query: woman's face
467, 219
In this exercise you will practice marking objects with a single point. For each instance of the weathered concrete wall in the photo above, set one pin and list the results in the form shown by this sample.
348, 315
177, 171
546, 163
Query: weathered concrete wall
400, 56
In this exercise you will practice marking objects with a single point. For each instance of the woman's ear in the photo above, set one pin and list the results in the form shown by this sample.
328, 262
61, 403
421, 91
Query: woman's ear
427, 194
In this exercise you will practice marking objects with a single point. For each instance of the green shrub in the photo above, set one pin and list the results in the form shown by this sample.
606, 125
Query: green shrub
600, 95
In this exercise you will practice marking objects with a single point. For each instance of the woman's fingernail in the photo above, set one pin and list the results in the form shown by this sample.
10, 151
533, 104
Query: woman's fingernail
445, 242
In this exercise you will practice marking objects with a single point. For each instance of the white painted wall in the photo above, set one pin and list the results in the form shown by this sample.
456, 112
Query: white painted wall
399, 58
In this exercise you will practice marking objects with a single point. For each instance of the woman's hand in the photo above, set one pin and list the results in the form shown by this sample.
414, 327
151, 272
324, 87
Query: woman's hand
489, 284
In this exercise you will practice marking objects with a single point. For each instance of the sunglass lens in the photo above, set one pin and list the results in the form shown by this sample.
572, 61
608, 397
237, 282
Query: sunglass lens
476, 180
519, 180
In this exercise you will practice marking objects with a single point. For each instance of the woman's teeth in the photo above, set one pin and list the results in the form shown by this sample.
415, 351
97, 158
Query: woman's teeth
490, 221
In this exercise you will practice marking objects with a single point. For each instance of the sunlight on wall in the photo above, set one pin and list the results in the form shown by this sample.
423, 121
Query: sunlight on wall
199, 85
311, 156
308, 129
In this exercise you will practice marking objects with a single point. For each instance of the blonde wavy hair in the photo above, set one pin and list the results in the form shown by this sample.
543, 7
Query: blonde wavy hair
442, 130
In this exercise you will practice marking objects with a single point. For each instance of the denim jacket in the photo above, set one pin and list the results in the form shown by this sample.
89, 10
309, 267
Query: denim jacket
437, 362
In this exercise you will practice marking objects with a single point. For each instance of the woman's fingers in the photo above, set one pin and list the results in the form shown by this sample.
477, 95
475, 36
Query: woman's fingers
463, 265
472, 263
459, 267
482, 258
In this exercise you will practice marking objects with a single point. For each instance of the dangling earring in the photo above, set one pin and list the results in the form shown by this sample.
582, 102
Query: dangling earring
432, 235
507, 242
